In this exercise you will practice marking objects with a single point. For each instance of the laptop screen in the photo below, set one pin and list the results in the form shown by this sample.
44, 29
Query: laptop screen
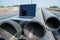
27, 10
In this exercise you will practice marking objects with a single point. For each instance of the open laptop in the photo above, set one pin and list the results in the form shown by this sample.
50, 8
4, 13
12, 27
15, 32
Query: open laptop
27, 12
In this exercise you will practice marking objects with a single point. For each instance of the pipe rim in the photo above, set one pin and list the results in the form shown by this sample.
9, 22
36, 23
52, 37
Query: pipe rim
10, 22
18, 29
52, 29
40, 25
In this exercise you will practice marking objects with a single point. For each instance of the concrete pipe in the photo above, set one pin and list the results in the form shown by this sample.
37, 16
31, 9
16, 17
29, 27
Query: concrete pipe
9, 29
51, 20
35, 29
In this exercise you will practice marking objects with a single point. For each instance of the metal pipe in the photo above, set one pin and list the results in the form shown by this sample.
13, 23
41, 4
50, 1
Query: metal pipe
34, 30
51, 20
9, 28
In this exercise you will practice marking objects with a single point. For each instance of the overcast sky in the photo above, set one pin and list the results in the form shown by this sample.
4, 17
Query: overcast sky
40, 3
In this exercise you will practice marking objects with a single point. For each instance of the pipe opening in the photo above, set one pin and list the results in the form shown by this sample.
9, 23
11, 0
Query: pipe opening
36, 29
2, 39
8, 27
53, 23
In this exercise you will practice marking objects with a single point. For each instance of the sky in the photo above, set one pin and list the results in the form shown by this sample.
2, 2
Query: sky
40, 3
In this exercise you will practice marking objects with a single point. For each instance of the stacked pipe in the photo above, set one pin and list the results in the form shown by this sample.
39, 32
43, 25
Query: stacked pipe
57, 32
9, 29
51, 20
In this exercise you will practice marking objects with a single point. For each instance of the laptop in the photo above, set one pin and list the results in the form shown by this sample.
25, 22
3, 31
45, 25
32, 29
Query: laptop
27, 12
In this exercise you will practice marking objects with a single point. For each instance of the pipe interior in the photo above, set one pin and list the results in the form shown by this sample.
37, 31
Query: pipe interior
36, 29
2, 39
53, 22
8, 27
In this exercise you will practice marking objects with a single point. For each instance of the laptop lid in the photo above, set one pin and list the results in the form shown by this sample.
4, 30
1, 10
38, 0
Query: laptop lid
27, 10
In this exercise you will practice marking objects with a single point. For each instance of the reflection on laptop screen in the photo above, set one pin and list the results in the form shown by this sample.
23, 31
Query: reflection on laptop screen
28, 10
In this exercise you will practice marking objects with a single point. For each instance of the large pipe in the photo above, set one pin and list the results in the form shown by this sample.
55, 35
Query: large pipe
9, 29
51, 20
35, 29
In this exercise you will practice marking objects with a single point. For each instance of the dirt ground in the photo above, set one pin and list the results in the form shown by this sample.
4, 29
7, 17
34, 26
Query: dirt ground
9, 10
